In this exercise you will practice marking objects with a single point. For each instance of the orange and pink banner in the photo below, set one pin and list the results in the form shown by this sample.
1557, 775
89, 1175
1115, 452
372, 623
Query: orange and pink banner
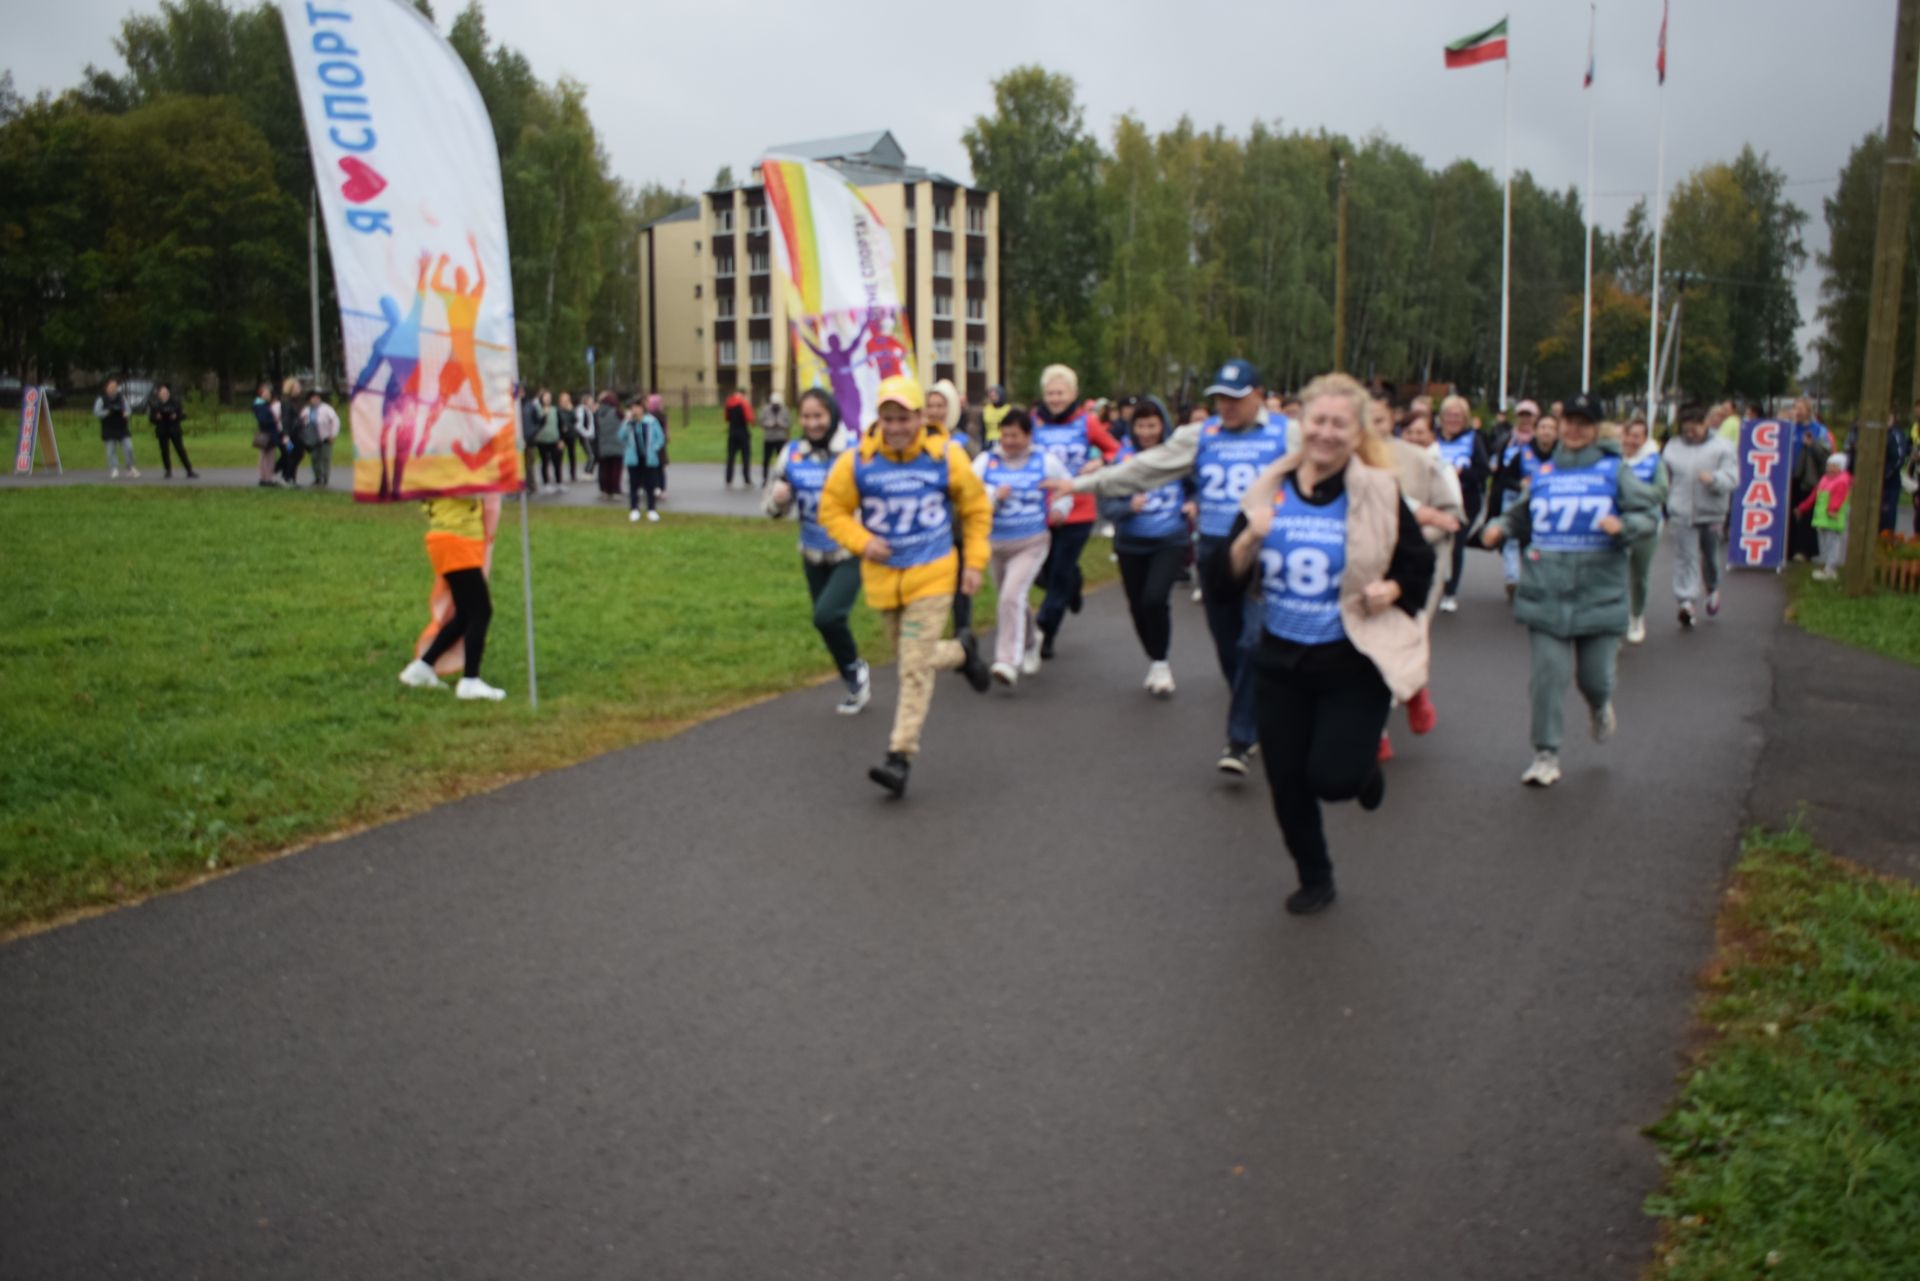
409, 181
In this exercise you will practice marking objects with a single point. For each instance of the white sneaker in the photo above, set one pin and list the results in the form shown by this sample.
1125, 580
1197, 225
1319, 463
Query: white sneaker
1030, 660
114, 474
1198, 595
1603, 722
134, 472
420, 676
1160, 680
858, 693
1545, 770
654, 517
633, 517
1448, 605
1006, 674
472, 687
1637, 630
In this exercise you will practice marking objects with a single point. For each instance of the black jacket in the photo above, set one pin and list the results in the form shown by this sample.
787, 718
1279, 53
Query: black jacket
165, 415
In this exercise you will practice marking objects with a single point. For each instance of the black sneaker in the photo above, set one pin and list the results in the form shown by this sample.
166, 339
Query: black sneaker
975, 668
1374, 790
892, 775
1309, 899
1046, 644
1075, 601
1233, 760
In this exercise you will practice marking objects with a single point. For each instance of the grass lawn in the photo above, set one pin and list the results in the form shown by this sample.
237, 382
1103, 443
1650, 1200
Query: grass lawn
1794, 1151
224, 438
1885, 622
196, 679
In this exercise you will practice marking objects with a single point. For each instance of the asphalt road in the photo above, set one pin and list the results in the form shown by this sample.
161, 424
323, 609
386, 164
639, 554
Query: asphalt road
712, 1008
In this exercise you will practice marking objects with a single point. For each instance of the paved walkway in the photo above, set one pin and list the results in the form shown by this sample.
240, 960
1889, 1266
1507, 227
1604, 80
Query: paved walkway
711, 1008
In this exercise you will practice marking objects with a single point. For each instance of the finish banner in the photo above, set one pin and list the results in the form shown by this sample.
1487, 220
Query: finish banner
1761, 502
409, 181
836, 268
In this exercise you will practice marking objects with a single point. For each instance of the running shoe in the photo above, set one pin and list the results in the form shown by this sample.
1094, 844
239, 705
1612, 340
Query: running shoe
1309, 899
1198, 595
654, 517
1030, 660
1511, 589
1713, 597
472, 687
1374, 790
859, 690
115, 475
134, 472
1160, 680
1386, 748
1637, 630
1046, 644
1545, 770
1448, 605
893, 774
974, 668
1233, 760
1421, 716
1006, 673
1602, 722
420, 676
1075, 601
633, 516
1686, 613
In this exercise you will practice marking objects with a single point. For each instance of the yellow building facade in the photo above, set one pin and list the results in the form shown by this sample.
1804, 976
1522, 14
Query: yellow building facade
713, 319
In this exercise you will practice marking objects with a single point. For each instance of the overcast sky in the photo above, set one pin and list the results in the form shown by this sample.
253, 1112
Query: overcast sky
679, 87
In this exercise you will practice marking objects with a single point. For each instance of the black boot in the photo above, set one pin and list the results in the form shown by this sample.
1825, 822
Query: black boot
892, 775
1309, 899
1374, 790
1046, 644
975, 668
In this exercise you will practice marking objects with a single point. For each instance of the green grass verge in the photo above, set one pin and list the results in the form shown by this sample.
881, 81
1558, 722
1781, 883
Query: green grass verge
224, 438
1883, 622
196, 679
1794, 1151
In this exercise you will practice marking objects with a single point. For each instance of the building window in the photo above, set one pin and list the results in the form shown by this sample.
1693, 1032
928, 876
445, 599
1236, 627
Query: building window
723, 219
723, 268
976, 220
977, 309
756, 217
976, 267
757, 262
942, 306
913, 212
977, 357
943, 262
725, 300
761, 349
760, 308
697, 289
943, 216
943, 351
696, 247
729, 354
699, 375
699, 331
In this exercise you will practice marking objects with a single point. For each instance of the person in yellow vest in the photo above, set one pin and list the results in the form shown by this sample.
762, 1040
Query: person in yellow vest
992, 414
907, 502
457, 546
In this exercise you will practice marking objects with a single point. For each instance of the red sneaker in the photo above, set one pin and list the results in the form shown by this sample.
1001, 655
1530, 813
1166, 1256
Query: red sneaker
1386, 749
1421, 718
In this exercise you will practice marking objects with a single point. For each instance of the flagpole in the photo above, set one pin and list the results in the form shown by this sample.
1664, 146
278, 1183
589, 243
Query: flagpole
1506, 230
1659, 225
1586, 314
526, 592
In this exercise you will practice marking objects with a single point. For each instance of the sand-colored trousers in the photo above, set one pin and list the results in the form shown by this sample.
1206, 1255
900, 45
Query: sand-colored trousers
921, 655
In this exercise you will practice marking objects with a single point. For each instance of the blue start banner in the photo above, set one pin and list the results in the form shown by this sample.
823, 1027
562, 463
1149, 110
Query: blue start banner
1760, 504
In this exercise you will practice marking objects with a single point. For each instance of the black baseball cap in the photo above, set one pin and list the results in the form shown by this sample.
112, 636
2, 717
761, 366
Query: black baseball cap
1584, 405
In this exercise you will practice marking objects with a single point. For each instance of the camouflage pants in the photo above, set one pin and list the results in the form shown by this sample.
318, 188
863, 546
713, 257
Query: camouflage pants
916, 631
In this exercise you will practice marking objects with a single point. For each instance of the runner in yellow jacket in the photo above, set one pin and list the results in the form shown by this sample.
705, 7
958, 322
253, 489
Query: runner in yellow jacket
908, 504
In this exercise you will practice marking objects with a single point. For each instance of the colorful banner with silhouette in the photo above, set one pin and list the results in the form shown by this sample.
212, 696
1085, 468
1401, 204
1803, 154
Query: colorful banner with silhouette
836, 267
409, 181
1760, 504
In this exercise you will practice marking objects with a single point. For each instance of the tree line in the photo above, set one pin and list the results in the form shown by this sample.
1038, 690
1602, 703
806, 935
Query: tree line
1149, 261
156, 220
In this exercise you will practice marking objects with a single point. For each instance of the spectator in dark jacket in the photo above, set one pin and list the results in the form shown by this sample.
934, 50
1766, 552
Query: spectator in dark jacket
292, 403
739, 436
110, 407
609, 450
266, 433
1892, 463
166, 414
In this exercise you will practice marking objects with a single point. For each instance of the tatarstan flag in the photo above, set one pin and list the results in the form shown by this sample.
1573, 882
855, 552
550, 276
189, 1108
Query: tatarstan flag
1486, 46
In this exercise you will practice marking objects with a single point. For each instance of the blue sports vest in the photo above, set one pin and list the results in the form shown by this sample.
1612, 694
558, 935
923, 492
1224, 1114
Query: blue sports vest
1024, 512
1161, 519
906, 504
1066, 441
1568, 503
1458, 452
1300, 566
1227, 462
1647, 468
807, 472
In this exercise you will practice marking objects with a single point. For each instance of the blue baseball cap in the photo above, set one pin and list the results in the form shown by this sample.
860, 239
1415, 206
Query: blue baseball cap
1236, 378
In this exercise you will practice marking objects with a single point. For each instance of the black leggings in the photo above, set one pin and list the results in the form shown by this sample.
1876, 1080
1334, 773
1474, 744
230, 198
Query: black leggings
573, 464
172, 436
641, 477
742, 448
770, 450
550, 463
1321, 711
1460, 550
1149, 578
472, 612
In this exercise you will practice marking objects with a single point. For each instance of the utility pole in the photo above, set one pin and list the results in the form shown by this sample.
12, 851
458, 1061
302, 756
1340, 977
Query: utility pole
1340, 267
1883, 311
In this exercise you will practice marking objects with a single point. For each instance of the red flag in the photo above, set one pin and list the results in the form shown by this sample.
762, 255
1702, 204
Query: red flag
1663, 42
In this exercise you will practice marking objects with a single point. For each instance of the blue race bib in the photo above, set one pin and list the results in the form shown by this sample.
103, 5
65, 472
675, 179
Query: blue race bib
1568, 504
1458, 452
1066, 441
1160, 517
1301, 561
1022, 513
1226, 464
807, 472
906, 504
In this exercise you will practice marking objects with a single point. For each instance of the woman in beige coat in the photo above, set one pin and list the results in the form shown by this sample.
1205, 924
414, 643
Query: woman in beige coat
1341, 573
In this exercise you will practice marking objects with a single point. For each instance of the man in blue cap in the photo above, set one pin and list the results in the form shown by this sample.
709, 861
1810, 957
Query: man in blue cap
1222, 455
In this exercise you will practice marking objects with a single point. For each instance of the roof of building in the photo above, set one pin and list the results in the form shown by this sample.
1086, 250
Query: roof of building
872, 159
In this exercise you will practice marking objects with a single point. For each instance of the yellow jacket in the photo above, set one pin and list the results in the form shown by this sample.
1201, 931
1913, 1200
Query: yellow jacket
887, 587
